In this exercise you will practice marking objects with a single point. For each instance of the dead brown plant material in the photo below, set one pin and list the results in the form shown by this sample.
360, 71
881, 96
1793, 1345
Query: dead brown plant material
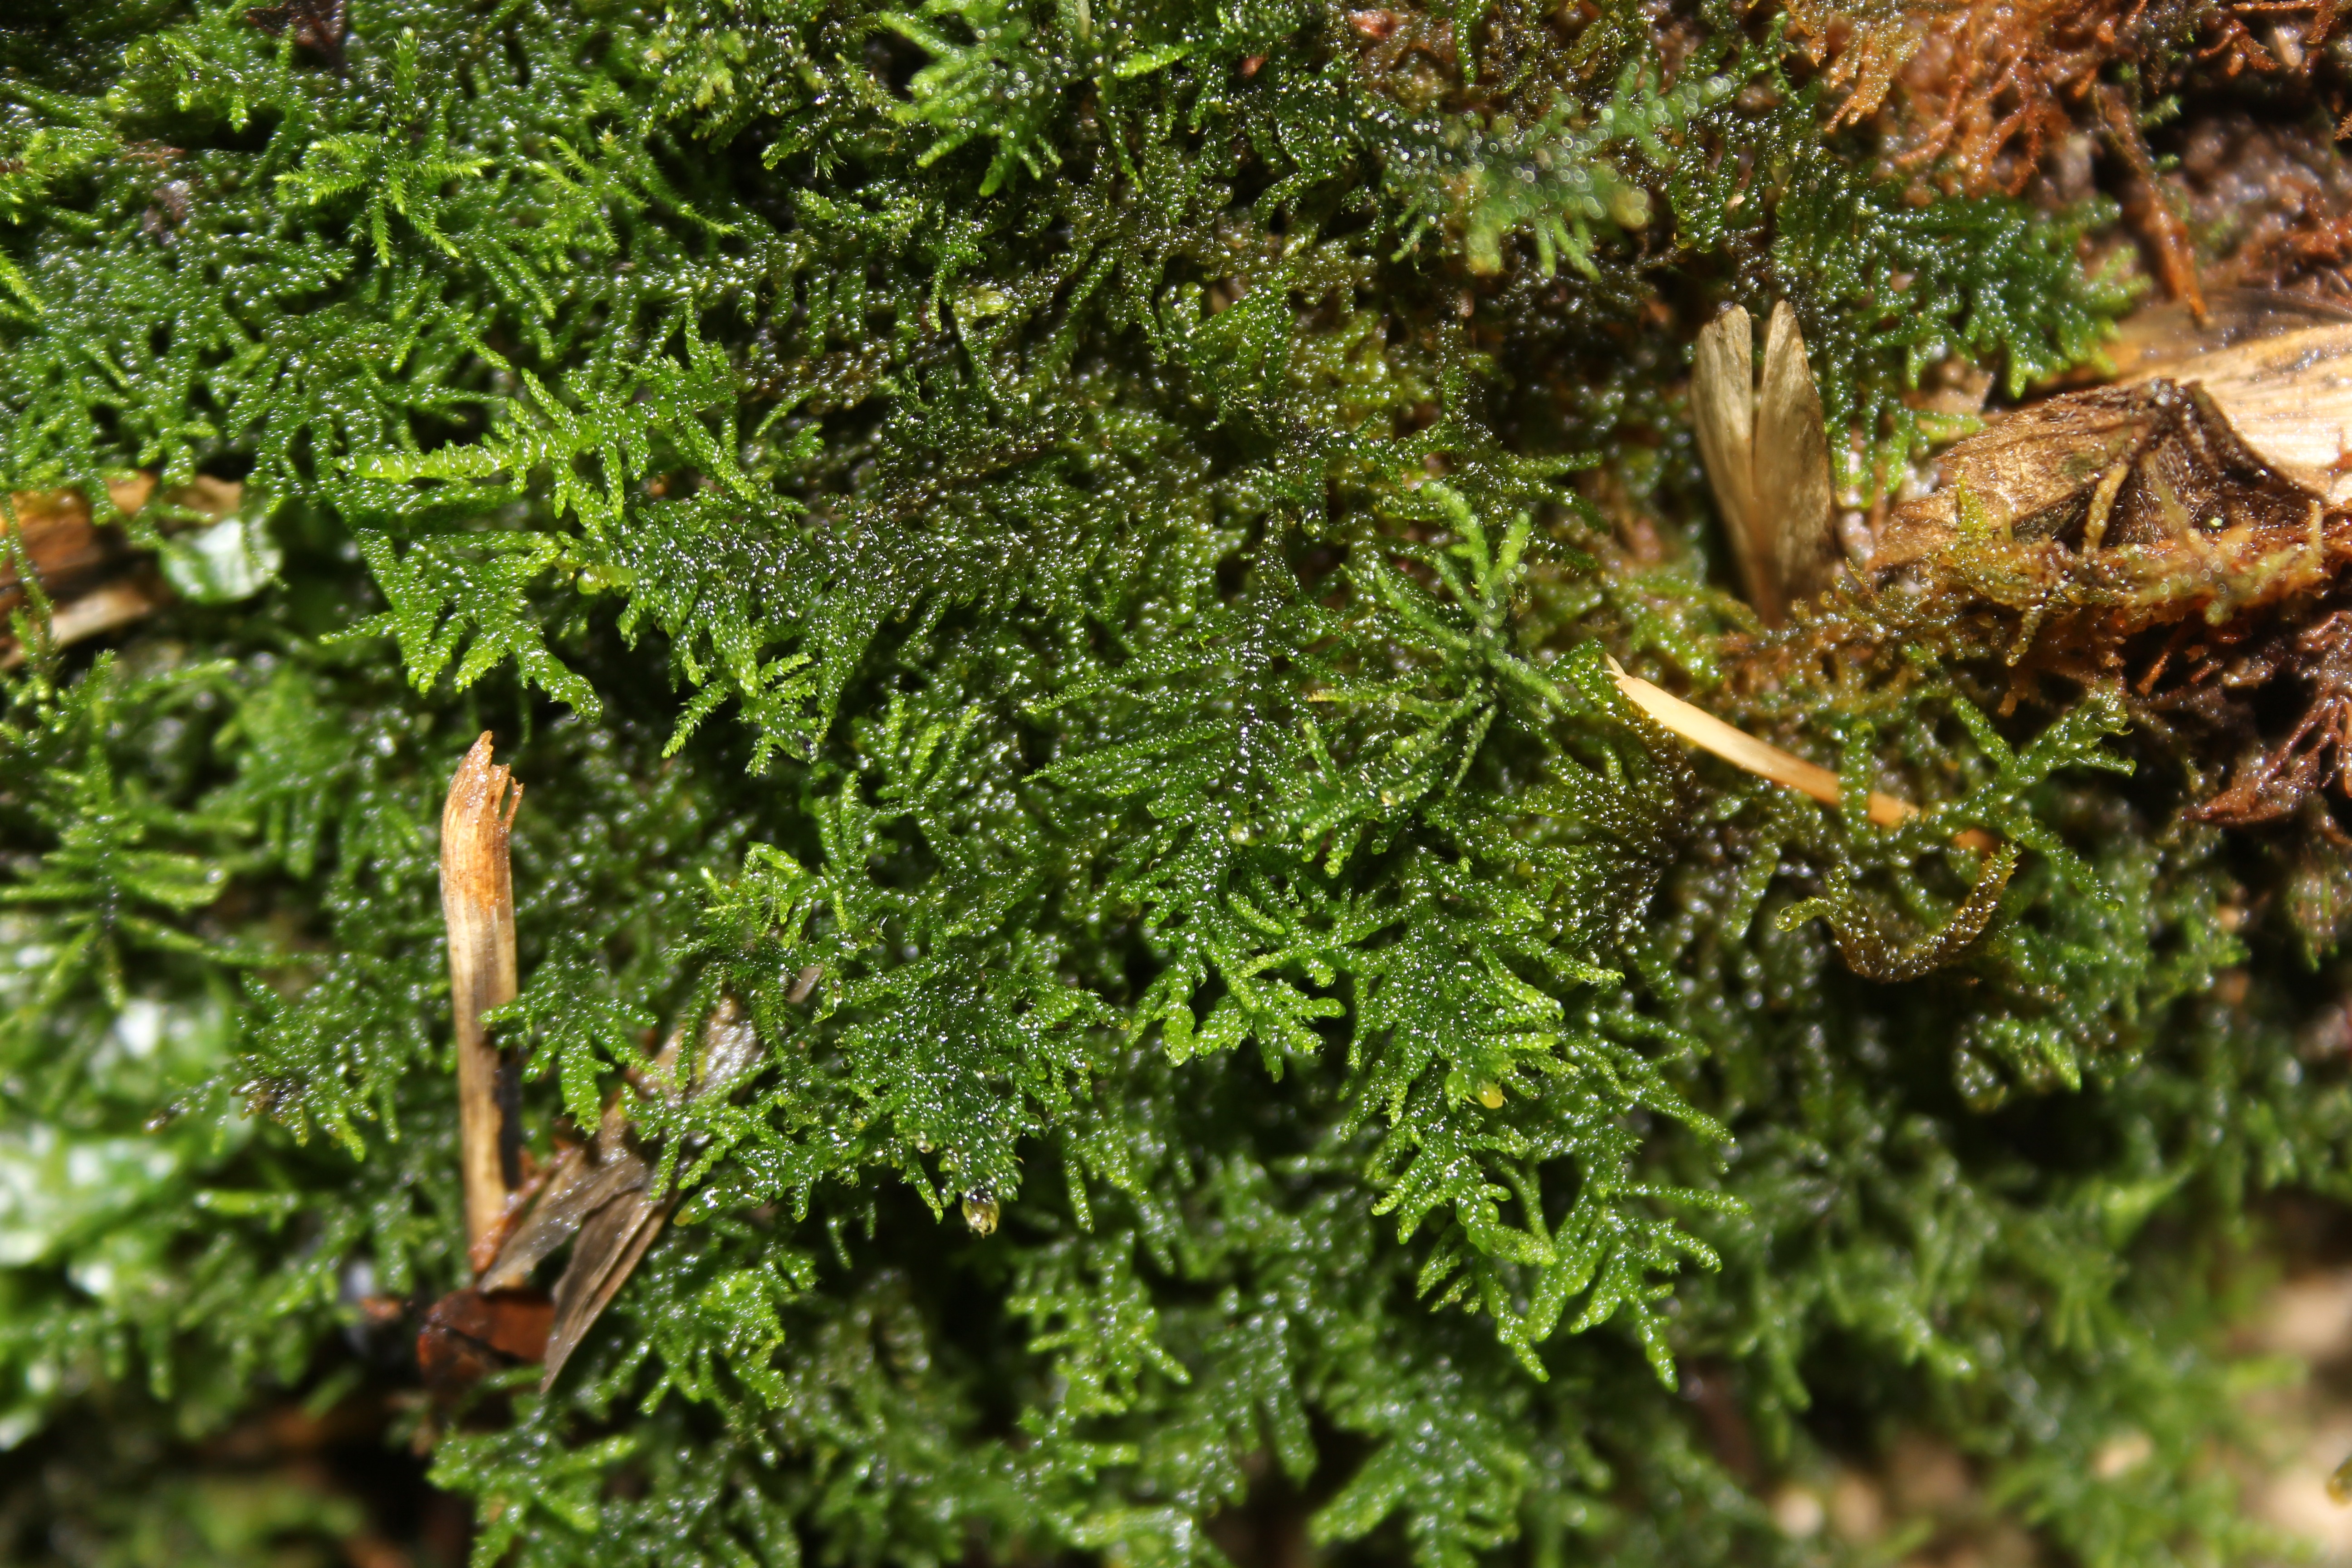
2277, 366
1766, 458
2271, 203
2130, 538
2181, 539
604, 1191
319, 26
1860, 47
2146, 201
1392, 39
1979, 89
1974, 97
478, 903
469, 1335
1742, 750
57, 556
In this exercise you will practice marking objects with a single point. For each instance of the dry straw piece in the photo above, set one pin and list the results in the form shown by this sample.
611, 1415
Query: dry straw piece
478, 901
1738, 747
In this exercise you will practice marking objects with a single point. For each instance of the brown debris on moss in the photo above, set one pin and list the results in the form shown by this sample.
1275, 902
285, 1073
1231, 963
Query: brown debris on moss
2126, 534
2129, 539
59, 560
1978, 97
2269, 203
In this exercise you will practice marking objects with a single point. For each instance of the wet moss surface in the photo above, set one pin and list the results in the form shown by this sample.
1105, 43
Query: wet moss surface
1065, 560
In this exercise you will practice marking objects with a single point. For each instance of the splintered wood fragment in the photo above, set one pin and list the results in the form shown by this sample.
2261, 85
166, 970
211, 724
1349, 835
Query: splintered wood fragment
478, 901
103, 608
2278, 366
1738, 747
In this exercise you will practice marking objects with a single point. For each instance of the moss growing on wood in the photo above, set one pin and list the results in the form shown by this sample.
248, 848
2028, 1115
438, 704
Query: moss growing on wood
1064, 558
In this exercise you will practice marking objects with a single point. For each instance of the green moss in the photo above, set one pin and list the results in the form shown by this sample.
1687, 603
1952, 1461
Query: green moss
1066, 520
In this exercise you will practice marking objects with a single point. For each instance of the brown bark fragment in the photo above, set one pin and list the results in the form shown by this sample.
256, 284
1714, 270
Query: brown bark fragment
469, 1334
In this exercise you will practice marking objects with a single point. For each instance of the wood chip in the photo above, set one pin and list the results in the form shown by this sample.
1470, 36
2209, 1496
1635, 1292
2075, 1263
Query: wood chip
92, 577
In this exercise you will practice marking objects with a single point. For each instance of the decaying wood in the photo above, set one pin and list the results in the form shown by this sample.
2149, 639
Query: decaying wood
2160, 339
1742, 750
1766, 458
2136, 480
2182, 539
2131, 536
2286, 391
603, 1192
478, 903
2244, 414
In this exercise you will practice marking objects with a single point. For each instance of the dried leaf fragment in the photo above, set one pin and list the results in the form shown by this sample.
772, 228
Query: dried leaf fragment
586, 1177
1723, 407
611, 1243
1768, 457
603, 1192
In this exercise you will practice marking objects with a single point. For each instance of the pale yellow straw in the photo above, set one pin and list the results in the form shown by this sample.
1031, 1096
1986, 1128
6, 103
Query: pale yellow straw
1742, 750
